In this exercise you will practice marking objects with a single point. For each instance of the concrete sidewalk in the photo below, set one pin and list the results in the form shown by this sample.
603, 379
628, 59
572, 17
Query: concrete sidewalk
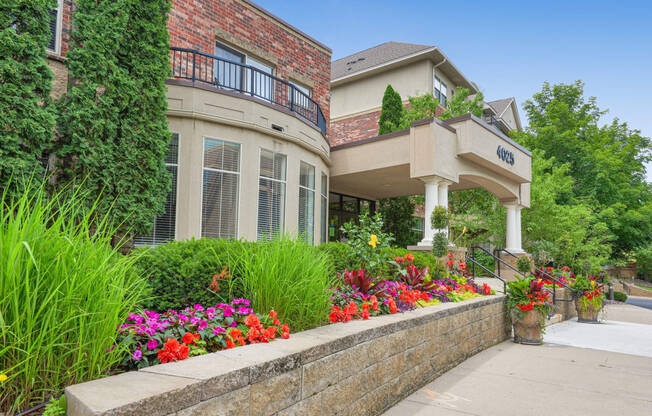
582, 377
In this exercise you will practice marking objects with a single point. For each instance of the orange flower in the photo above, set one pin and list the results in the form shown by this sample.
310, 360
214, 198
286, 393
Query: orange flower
252, 321
392, 306
285, 331
229, 343
189, 338
173, 351
409, 257
235, 333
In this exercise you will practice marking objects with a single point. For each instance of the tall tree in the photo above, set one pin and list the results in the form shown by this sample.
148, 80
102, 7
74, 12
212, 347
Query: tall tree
26, 115
112, 122
607, 163
392, 114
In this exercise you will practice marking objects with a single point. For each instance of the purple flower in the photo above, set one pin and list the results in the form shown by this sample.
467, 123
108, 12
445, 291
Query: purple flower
152, 344
218, 330
137, 355
233, 324
202, 324
228, 311
244, 311
183, 317
198, 307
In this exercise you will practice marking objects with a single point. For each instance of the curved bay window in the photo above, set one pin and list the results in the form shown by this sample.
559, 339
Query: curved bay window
345, 208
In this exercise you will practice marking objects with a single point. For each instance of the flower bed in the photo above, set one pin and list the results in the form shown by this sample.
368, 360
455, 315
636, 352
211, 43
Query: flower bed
152, 338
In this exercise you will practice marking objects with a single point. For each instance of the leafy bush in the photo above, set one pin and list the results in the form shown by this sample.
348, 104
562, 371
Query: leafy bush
64, 292
422, 259
180, 273
524, 265
367, 241
339, 254
484, 259
439, 244
440, 218
620, 297
644, 262
289, 276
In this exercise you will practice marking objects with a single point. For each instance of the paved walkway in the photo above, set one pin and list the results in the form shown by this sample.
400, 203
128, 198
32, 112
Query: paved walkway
582, 369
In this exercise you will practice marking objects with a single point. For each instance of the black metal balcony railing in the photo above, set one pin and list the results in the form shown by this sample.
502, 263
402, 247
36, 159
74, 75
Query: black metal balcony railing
493, 121
200, 67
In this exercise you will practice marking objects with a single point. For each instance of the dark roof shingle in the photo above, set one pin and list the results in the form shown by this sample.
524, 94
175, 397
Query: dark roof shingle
372, 57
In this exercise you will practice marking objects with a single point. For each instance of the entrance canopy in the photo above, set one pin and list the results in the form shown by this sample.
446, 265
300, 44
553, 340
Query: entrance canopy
433, 157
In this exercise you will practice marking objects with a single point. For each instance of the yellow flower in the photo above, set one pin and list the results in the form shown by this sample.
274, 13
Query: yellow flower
373, 240
464, 230
3, 377
592, 283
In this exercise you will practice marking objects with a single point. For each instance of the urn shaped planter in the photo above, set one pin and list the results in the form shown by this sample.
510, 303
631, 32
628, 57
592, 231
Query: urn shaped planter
528, 327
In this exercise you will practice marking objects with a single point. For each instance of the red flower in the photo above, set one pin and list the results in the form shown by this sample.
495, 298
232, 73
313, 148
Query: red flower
190, 338
392, 306
285, 331
229, 344
173, 351
409, 257
253, 321
450, 255
273, 314
450, 263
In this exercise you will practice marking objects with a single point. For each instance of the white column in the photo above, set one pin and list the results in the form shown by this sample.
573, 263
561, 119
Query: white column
513, 229
431, 201
443, 198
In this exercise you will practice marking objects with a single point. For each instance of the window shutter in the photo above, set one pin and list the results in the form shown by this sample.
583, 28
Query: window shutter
164, 228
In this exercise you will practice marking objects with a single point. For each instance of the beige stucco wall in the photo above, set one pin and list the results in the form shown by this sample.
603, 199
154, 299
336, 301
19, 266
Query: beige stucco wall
509, 118
366, 94
196, 114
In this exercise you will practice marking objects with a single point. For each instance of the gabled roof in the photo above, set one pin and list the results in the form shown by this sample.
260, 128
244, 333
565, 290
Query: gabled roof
378, 55
499, 106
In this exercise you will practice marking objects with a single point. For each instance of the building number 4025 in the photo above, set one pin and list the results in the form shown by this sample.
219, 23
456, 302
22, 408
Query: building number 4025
505, 155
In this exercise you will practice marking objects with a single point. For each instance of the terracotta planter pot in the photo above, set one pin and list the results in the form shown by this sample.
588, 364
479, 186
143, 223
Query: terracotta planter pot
528, 329
588, 315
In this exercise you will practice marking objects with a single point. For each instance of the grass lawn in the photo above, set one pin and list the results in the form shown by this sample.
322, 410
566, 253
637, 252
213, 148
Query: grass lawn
645, 287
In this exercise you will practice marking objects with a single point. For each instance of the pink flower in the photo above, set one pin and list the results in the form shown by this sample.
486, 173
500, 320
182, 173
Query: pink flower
137, 355
198, 307
152, 344
218, 330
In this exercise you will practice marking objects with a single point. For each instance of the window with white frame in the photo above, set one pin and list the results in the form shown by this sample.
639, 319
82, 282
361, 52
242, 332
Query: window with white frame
164, 228
324, 208
271, 194
220, 189
263, 85
55, 28
228, 74
440, 91
306, 201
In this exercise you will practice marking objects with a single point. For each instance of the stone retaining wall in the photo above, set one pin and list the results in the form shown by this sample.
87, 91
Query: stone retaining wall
633, 290
354, 368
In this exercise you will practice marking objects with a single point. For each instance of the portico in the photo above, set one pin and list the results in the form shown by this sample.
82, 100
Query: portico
434, 157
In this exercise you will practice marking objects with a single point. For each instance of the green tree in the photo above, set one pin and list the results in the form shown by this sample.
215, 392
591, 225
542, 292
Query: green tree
461, 103
26, 115
392, 114
397, 214
607, 163
112, 122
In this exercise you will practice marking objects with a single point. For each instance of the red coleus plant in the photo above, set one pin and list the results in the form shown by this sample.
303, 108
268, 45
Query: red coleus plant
361, 280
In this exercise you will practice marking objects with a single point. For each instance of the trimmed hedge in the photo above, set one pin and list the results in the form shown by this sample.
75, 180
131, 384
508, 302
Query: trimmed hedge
620, 297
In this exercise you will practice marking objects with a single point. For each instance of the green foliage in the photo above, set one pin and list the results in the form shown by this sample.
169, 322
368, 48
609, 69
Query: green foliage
397, 214
112, 122
392, 114
605, 163
644, 262
339, 254
460, 104
524, 265
484, 259
26, 114
179, 273
289, 276
64, 292
439, 244
56, 407
422, 259
367, 241
440, 218
620, 297
421, 107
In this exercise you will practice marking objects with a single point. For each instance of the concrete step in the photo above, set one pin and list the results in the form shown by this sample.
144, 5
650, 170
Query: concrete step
554, 319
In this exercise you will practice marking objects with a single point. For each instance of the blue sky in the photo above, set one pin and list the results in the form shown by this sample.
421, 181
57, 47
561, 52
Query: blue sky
509, 48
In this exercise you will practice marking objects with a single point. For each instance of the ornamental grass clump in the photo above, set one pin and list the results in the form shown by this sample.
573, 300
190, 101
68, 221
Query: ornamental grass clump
64, 292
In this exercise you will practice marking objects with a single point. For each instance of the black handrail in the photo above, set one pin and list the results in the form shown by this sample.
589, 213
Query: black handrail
474, 262
204, 68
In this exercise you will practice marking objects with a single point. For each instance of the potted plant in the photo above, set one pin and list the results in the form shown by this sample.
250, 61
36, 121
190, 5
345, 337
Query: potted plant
589, 300
528, 304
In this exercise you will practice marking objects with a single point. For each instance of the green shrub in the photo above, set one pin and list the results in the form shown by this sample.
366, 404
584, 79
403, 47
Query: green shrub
440, 218
620, 297
485, 260
524, 265
180, 273
64, 292
421, 259
367, 241
289, 276
339, 254
439, 244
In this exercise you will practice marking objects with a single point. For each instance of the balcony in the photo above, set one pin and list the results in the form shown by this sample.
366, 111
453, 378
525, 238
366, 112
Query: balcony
210, 70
